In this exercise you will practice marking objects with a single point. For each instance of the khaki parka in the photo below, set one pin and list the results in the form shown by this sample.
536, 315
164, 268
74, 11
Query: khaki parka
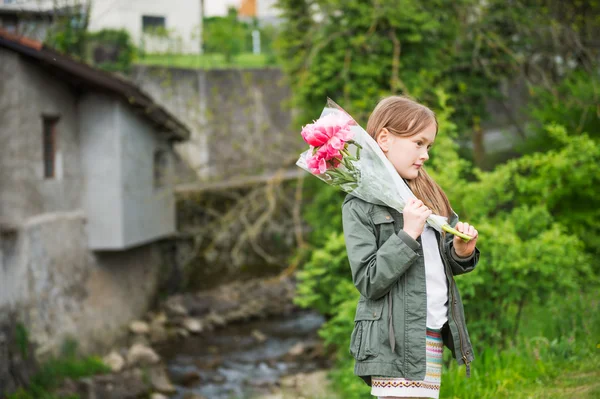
389, 272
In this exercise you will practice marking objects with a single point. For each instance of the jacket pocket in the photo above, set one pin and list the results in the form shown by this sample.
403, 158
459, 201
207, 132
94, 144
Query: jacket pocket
384, 225
364, 341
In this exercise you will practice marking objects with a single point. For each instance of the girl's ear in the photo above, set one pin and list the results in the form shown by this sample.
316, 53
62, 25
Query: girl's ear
383, 139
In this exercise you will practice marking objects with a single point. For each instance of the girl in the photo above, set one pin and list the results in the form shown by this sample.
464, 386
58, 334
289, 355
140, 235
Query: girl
404, 270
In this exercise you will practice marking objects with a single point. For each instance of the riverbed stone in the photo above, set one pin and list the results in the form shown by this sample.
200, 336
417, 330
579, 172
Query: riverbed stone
158, 332
259, 336
140, 354
174, 308
139, 327
160, 381
191, 395
159, 319
129, 384
297, 349
193, 325
115, 361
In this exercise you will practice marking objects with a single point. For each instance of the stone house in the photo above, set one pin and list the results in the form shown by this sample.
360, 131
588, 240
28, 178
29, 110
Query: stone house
86, 198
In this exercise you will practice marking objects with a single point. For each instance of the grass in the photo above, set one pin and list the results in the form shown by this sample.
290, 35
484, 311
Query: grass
207, 61
55, 370
555, 356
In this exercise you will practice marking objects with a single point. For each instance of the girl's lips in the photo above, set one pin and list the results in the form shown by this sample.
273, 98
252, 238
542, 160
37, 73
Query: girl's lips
417, 166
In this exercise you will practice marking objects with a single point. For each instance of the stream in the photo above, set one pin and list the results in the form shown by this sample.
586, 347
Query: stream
244, 360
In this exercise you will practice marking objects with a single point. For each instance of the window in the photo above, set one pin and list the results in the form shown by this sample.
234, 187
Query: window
161, 168
49, 146
10, 23
152, 23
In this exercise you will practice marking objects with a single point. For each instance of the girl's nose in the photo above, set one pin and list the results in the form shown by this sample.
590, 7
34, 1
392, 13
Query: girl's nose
425, 156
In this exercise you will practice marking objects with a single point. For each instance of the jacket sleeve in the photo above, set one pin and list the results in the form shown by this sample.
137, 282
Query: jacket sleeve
458, 264
374, 270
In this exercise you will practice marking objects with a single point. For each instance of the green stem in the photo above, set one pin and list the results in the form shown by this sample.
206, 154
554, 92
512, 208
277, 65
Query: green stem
457, 233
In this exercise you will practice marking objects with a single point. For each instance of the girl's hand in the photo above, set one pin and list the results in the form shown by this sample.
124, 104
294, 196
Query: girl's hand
415, 215
462, 248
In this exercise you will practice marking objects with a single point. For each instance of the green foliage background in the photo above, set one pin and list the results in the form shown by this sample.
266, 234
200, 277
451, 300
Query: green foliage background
532, 303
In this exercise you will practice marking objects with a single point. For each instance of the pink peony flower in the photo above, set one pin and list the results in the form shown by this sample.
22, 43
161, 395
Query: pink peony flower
328, 152
316, 164
334, 128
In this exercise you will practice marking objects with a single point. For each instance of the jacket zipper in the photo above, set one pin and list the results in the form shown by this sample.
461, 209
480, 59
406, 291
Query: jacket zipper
451, 287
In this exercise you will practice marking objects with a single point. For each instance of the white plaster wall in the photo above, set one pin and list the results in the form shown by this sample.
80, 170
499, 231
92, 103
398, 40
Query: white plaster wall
182, 16
101, 161
123, 207
148, 212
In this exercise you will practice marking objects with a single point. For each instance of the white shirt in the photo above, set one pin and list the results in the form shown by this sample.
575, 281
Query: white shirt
435, 280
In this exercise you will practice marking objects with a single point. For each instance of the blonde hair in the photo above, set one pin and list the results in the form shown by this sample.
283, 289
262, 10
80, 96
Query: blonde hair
404, 117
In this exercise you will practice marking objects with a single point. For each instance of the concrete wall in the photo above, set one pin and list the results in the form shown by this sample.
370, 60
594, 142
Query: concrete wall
240, 121
123, 206
101, 160
148, 210
61, 290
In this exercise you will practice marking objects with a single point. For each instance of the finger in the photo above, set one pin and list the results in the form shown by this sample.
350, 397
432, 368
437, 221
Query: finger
475, 233
459, 226
423, 208
424, 213
418, 202
471, 231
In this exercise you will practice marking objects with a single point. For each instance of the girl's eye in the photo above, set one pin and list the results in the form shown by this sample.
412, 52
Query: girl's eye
429, 147
419, 143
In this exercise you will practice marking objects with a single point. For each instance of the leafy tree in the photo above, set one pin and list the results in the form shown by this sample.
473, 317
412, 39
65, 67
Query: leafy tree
226, 35
69, 32
357, 51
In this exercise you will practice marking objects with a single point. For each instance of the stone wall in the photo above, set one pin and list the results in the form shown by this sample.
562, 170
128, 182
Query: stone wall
61, 290
240, 119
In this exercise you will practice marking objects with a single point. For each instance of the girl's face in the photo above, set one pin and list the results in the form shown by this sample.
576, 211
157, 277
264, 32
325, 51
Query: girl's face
407, 154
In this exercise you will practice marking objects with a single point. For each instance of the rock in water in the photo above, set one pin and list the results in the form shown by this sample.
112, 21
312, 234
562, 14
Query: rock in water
160, 381
193, 325
259, 336
141, 355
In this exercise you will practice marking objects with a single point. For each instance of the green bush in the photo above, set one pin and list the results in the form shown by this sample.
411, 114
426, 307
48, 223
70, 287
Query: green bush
111, 50
227, 35
572, 103
536, 238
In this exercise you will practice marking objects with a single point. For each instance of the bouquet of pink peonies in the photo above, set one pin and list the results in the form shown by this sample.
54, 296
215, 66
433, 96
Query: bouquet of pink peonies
344, 155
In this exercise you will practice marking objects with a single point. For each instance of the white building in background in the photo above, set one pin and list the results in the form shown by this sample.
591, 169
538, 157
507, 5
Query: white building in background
180, 18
